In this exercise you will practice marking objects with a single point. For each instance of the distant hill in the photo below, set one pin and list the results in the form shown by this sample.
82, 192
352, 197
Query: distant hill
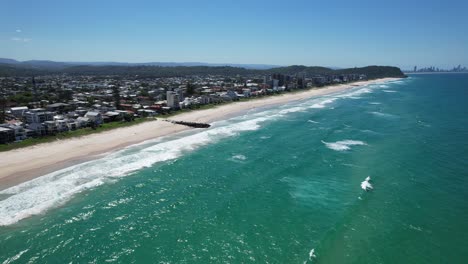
29, 68
8, 61
59, 65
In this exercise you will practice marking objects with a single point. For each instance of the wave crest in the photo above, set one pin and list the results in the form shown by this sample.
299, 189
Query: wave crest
39, 195
343, 145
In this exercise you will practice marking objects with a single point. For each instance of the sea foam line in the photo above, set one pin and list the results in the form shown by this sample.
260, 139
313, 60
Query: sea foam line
39, 195
54, 189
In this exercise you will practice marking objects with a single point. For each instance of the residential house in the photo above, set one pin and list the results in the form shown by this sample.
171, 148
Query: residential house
58, 107
36, 117
19, 131
19, 111
95, 117
7, 135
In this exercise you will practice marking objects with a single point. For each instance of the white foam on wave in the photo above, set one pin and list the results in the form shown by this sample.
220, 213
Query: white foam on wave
355, 93
239, 157
343, 145
312, 254
383, 86
52, 190
292, 110
389, 91
368, 131
323, 104
380, 114
374, 103
15, 257
312, 121
366, 185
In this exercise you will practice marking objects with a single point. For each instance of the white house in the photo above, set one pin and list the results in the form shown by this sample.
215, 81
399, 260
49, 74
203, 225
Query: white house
95, 117
19, 112
172, 99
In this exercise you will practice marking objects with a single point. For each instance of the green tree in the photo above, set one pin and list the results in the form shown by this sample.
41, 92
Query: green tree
190, 89
144, 92
65, 95
90, 100
22, 98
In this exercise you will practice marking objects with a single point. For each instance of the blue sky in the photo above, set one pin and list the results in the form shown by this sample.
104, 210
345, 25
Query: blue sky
329, 33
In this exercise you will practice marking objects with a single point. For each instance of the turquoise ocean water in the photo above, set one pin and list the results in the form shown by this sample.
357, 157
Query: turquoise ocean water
268, 187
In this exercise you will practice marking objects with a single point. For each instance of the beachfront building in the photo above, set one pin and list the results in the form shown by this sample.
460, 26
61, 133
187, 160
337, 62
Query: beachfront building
94, 117
38, 115
35, 119
19, 131
82, 121
173, 99
19, 111
50, 127
58, 107
7, 135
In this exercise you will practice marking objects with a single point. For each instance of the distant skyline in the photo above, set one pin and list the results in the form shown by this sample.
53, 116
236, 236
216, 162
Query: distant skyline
338, 33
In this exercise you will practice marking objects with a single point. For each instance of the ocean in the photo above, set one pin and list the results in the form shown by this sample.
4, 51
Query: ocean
267, 186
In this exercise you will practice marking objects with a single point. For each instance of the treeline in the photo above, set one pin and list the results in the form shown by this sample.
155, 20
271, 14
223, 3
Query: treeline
372, 72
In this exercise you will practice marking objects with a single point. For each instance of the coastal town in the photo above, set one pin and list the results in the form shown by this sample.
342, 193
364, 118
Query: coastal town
40, 106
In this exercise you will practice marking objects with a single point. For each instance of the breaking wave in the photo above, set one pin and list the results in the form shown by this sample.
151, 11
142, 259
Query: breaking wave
384, 115
343, 145
323, 103
355, 94
40, 194
239, 157
312, 121
54, 189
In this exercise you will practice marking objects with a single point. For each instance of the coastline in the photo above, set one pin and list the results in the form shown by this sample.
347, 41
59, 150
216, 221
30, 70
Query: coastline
21, 165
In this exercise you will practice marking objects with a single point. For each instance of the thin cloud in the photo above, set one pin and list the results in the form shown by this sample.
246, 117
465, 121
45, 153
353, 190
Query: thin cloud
21, 39
18, 30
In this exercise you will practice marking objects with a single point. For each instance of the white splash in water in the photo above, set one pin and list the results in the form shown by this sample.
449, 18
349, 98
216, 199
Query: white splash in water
323, 103
385, 115
239, 157
343, 145
366, 185
312, 254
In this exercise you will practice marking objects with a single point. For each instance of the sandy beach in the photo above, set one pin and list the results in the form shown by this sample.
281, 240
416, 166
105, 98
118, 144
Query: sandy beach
23, 164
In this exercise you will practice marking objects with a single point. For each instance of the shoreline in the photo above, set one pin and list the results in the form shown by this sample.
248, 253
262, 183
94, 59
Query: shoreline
24, 164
